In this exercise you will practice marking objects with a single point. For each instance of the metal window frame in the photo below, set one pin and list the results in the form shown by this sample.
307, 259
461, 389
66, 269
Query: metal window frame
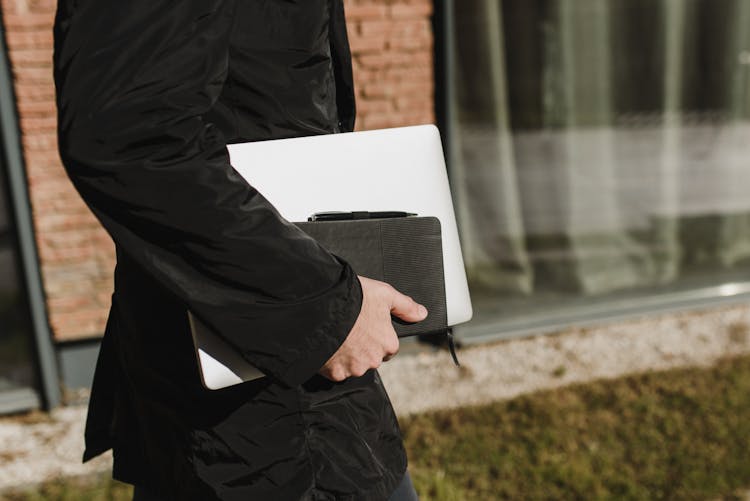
442, 27
19, 197
546, 322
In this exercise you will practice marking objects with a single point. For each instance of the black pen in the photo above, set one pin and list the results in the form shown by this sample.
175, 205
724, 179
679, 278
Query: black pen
347, 216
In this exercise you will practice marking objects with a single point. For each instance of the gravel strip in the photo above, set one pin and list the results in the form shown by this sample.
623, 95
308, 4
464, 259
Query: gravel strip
505, 370
42, 447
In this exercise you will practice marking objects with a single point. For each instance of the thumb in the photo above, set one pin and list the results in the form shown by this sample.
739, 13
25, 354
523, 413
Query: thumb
406, 308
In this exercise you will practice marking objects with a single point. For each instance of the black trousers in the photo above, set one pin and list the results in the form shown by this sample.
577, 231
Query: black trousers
404, 492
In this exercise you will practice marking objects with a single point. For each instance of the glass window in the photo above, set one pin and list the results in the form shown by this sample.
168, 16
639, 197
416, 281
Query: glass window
17, 370
18, 374
600, 151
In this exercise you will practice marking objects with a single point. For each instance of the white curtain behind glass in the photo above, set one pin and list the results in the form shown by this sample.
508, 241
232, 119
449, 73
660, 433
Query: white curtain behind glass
601, 145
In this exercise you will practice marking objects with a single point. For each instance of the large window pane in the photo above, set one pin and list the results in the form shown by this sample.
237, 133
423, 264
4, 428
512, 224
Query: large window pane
601, 149
17, 369
18, 375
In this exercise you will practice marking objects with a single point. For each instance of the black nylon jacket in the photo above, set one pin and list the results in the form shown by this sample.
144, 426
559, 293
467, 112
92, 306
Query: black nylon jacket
149, 94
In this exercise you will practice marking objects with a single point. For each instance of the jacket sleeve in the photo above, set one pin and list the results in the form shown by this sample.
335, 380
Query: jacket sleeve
134, 80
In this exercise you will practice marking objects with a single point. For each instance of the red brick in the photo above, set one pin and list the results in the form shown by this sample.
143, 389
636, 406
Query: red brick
375, 90
69, 275
410, 43
38, 124
42, 141
29, 21
23, 6
79, 324
365, 11
386, 27
104, 298
68, 239
72, 303
31, 57
367, 44
67, 203
414, 73
83, 253
365, 106
36, 92
66, 221
413, 85
56, 191
39, 5
411, 10
81, 285
394, 58
363, 75
396, 89
45, 158
25, 75
410, 103
377, 121
375, 60
41, 39
411, 28
28, 108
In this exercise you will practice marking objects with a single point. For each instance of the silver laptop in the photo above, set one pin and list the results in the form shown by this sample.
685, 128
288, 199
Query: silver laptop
392, 169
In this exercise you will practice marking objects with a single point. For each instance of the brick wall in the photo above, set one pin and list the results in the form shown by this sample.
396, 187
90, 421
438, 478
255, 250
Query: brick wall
392, 50
76, 254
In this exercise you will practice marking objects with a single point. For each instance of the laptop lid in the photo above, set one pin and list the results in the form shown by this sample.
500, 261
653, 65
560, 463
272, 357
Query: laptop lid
399, 169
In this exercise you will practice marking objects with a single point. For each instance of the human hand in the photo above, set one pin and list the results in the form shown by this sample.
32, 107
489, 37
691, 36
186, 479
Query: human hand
372, 340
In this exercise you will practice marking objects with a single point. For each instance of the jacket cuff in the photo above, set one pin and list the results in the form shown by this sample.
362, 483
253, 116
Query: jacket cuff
326, 339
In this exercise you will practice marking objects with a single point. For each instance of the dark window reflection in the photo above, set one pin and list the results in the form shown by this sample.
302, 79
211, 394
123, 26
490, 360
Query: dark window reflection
16, 348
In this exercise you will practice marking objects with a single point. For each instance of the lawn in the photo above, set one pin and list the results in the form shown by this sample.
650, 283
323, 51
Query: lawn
676, 435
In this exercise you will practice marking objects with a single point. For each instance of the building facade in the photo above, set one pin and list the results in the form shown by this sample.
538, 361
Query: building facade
71, 257
597, 153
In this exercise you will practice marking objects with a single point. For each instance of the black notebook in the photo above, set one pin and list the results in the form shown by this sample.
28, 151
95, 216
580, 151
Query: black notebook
405, 252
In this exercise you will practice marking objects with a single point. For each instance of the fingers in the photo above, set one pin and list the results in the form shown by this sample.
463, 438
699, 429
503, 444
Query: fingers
372, 340
406, 308
391, 344
401, 305
340, 373
335, 374
367, 357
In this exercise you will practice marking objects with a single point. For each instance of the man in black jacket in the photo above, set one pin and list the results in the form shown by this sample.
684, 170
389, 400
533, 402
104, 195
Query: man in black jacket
149, 94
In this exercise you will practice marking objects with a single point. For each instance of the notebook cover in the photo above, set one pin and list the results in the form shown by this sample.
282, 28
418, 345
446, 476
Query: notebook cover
405, 252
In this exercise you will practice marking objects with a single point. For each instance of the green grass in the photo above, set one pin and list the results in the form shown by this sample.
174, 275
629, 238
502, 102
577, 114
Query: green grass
677, 435
98, 488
